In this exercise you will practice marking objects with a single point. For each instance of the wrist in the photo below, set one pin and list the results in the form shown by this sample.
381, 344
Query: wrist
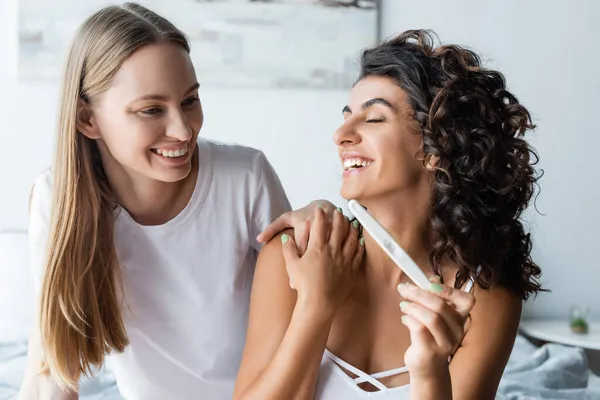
432, 370
315, 308
432, 383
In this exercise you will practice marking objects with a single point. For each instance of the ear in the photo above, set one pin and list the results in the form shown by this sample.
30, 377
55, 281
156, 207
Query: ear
86, 123
432, 163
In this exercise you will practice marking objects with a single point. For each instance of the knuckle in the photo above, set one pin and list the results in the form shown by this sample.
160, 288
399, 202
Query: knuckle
446, 348
420, 329
466, 301
409, 292
470, 300
440, 307
434, 319
447, 291
337, 256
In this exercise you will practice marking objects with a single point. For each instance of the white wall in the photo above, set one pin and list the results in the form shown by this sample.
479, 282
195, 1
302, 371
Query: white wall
294, 129
546, 51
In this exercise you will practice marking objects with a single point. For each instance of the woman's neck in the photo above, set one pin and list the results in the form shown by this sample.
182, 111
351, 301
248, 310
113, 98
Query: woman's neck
406, 218
147, 200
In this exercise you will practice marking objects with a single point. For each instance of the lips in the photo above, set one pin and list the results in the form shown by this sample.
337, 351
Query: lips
356, 163
172, 152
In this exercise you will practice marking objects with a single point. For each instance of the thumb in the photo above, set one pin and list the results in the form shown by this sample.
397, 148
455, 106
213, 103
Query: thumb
290, 250
290, 254
274, 228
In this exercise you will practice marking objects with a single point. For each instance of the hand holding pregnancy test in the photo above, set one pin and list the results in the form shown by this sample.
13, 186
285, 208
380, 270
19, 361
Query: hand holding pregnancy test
389, 245
452, 305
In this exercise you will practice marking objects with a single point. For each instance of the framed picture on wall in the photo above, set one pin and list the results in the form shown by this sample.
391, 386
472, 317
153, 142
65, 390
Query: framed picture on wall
235, 43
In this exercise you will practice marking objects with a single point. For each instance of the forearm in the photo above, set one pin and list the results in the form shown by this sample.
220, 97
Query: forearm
42, 387
437, 386
37, 385
292, 373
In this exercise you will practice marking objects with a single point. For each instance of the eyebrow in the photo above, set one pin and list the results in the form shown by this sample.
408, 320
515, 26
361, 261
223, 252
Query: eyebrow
161, 97
370, 103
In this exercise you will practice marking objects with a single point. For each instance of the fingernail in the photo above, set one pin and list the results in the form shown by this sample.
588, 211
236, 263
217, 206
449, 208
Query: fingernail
361, 241
284, 238
355, 224
404, 318
320, 205
403, 305
436, 288
435, 278
401, 287
339, 209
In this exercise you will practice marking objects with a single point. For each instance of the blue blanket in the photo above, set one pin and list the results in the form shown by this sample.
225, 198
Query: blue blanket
552, 371
13, 359
549, 372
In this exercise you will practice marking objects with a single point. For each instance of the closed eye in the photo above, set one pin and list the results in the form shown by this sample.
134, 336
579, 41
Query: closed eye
375, 120
191, 101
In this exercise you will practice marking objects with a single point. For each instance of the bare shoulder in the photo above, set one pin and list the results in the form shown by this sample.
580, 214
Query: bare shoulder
478, 365
271, 280
496, 310
271, 255
272, 303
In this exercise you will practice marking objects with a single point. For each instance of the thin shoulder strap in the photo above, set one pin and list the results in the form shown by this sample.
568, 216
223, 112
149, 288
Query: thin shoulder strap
363, 377
384, 374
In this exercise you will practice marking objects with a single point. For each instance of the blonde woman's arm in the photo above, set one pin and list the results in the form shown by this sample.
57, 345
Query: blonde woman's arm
36, 385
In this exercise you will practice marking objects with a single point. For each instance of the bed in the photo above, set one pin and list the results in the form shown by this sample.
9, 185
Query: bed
548, 372
551, 371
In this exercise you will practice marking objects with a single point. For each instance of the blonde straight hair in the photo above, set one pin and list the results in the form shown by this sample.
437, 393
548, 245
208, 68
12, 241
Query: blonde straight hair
80, 317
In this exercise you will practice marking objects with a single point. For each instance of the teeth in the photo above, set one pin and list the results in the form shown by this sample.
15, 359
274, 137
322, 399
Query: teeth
173, 153
353, 163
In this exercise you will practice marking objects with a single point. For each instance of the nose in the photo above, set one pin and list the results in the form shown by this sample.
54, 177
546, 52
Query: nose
179, 127
346, 134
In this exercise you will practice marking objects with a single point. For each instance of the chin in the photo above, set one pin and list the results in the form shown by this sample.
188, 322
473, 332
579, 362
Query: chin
173, 175
357, 186
351, 192
364, 195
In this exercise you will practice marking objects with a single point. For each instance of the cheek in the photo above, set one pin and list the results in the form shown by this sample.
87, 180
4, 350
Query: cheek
399, 162
129, 137
196, 119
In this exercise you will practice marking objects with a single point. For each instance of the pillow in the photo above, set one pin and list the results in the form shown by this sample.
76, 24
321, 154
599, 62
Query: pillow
16, 287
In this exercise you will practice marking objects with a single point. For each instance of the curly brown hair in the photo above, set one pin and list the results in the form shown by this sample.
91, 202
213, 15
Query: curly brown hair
473, 127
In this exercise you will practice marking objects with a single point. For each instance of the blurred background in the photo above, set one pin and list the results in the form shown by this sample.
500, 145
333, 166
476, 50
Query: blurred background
275, 75
547, 50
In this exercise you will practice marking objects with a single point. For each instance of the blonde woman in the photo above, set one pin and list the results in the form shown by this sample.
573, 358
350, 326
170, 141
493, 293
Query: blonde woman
143, 235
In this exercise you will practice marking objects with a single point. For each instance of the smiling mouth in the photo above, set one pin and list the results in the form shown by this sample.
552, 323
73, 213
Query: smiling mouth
172, 153
351, 164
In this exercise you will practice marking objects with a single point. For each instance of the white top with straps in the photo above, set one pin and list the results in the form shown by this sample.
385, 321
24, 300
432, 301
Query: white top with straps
334, 383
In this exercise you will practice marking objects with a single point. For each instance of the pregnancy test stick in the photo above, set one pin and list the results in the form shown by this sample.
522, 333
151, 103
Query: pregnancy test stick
389, 245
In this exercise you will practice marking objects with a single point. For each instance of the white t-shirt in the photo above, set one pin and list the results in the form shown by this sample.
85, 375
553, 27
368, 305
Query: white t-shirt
187, 282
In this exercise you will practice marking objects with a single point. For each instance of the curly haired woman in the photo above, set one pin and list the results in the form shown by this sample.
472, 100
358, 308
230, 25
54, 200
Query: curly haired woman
432, 144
